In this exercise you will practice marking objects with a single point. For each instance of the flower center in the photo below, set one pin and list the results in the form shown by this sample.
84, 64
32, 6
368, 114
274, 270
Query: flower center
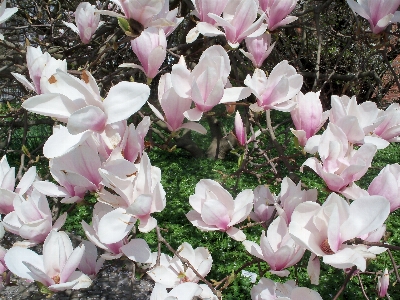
56, 279
326, 247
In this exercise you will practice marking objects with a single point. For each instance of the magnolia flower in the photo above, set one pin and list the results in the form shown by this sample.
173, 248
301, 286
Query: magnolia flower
383, 284
41, 67
138, 196
264, 204
147, 13
205, 85
5, 14
357, 121
90, 264
277, 12
8, 190
165, 16
307, 116
215, 209
55, 268
32, 219
266, 289
386, 184
132, 144
172, 272
150, 48
259, 49
389, 124
174, 107
238, 21
240, 130
202, 9
104, 227
277, 90
278, 249
323, 229
340, 164
379, 13
87, 21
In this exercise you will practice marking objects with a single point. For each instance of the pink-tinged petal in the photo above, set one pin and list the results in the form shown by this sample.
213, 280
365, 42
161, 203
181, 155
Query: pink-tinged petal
77, 281
253, 249
22, 79
195, 127
314, 269
159, 292
366, 215
87, 118
61, 142
235, 94
60, 222
147, 224
141, 206
156, 59
6, 201
180, 78
72, 263
243, 205
92, 235
215, 213
236, 234
71, 26
133, 66
124, 99
156, 112
334, 236
36, 231
51, 105
196, 219
193, 114
383, 284
50, 189
137, 250
115, 225
164, 275
346, 258
206, 29
15, 264
185, 291
357, 8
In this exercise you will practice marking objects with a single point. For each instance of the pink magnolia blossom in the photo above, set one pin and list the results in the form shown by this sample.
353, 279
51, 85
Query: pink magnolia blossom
104, 227
41, 67
238, 20
264, 204
278, 249
165, 16
307, 116
386, 184
205, 85
6, 13
383, 284
323, 229
340, 164
277, 12
87, 21
138, 195
8, 190
132, 145
150, 48
259, 49
202, 9
379, 13
389, 124
357, 121
90, 264
174, 107
215, 209
79, 104
266, 289
240, 131
32, 218
277, 90
172, 272
56, 268
149, 13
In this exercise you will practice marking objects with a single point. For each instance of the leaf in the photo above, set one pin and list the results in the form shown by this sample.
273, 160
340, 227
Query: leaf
124, 24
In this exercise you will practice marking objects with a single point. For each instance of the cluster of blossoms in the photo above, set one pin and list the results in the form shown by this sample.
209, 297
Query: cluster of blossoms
98, 152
